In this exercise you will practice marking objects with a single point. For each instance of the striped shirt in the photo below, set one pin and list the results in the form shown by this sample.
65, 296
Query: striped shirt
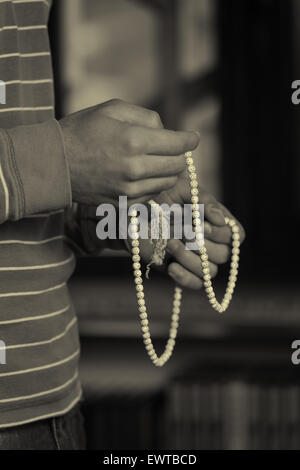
37, 322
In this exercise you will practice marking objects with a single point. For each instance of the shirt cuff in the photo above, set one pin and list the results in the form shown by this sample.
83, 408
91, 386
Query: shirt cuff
39, 172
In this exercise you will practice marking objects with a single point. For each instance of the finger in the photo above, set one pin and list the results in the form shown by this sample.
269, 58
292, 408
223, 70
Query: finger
217, 253
183, 277
217, 234
149, 166
221, 234
188, 259
241, 228
214, 214
131, 113
164, 142
148, 186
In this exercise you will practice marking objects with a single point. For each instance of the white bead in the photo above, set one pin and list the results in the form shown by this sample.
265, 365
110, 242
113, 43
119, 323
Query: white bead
133, 212
134, 228
136, 266
191, 168
195, 199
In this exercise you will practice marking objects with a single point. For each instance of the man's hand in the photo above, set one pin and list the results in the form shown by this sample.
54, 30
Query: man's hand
120, 149
185, 268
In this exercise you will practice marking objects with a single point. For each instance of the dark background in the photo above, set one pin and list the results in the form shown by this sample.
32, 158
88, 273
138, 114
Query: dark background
231, 383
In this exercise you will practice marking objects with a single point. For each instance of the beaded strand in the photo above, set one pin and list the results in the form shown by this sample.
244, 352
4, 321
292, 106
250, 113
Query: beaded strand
219, 307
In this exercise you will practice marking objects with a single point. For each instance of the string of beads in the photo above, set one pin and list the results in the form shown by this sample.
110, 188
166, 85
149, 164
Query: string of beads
203, 256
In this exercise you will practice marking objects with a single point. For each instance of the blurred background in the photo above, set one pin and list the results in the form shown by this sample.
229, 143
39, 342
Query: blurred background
224, 67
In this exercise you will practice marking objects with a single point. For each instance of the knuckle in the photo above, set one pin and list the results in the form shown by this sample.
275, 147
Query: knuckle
114, 102
134, 170
131, 140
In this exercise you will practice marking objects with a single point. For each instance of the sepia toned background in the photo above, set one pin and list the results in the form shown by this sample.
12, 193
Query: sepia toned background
225, 68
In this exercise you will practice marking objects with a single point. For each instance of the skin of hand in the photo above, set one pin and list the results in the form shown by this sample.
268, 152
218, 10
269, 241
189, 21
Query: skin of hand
181, 264
118, 148
185, 267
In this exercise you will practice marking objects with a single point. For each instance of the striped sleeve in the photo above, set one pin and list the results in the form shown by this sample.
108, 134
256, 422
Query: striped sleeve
34, 173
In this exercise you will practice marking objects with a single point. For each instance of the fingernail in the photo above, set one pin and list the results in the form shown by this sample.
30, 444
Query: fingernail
207, 228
